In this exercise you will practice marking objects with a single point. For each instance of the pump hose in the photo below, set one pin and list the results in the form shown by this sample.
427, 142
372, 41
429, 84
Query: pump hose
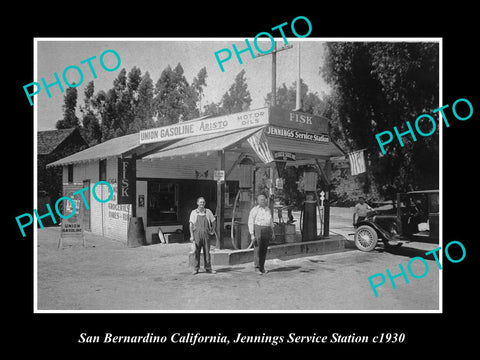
233, 220
301, 217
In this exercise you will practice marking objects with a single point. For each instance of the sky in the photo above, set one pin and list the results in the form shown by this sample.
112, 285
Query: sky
154, 55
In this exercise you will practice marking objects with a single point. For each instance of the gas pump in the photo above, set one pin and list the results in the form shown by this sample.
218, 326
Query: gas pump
308, 215
240, 235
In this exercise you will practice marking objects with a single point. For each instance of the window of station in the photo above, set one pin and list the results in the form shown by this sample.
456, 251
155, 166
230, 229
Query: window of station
231, 190
162, 203
102, 170
434, 203
70, 173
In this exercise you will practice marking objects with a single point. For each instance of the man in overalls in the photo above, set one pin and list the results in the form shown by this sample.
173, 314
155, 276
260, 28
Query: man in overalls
202, 225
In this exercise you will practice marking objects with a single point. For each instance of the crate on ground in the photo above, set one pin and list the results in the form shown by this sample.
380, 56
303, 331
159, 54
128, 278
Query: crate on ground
169, 238
290, 233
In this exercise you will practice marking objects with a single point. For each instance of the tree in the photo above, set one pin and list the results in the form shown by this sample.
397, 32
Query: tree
377, 86
287, 99
70, 118
144, 106
105, 101
134, 80
125, 87
237, 98
133, 103
117, 107
171, 96
198, 83
129, 99
212, 109
91, 129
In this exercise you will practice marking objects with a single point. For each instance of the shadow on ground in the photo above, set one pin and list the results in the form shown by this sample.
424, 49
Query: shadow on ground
284, 268
230, 269
405, 250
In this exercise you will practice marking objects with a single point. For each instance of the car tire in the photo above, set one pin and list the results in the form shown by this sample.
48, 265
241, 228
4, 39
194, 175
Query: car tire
366, 238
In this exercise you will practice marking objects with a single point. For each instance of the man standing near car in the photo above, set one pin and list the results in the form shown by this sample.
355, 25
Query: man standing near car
361, 210
260, 226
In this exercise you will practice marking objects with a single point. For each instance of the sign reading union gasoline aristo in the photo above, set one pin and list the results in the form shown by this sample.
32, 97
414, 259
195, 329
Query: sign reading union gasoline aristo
238, 121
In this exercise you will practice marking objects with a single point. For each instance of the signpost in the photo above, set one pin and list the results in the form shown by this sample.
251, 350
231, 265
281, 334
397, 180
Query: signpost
72, 225
219, 175
322, 210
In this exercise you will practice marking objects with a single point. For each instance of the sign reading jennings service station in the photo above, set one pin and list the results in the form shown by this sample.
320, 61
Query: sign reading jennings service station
296, 134
238, 121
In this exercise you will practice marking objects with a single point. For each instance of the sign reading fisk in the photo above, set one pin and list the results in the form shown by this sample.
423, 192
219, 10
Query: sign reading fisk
126, 177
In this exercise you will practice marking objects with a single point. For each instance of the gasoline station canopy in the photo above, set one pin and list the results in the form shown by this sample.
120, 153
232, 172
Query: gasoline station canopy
267, 134
304, 135
202, 144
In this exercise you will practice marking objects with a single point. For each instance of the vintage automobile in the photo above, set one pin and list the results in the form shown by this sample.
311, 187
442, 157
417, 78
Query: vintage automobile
414, 216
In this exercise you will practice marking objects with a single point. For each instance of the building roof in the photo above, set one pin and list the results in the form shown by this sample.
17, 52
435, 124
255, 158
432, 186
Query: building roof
49, 140
113, 147
203, 143
129, 144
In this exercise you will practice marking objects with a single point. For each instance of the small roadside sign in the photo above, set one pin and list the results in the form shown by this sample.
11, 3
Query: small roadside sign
219, 175
72, 226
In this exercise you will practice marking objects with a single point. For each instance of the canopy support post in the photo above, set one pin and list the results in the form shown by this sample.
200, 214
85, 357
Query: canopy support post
220, 212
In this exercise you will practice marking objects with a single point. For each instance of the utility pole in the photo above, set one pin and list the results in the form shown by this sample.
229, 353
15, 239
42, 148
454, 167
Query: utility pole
298, 97
274, 70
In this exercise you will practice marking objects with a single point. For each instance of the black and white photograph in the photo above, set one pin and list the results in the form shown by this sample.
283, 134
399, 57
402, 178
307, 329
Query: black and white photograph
190, 181
282, 178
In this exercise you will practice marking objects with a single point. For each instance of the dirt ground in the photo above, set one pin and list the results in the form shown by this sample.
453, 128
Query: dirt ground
106, 275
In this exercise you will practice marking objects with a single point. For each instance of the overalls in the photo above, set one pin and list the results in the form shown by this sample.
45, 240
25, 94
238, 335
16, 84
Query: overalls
201, 239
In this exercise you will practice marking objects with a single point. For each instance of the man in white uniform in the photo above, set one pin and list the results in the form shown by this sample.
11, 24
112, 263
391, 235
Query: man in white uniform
260, 226
361, 210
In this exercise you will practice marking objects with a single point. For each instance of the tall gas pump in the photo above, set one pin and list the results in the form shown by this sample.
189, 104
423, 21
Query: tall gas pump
241, 207
308, 221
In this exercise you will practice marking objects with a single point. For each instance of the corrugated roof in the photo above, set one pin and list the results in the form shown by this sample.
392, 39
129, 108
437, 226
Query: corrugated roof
113, 147
203, 143
109, 148
123, 144
320, 150
48, 141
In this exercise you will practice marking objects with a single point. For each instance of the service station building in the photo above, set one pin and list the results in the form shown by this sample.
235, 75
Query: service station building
157, 174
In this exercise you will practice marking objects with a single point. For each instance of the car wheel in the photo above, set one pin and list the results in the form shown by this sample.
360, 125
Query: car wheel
366, 238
